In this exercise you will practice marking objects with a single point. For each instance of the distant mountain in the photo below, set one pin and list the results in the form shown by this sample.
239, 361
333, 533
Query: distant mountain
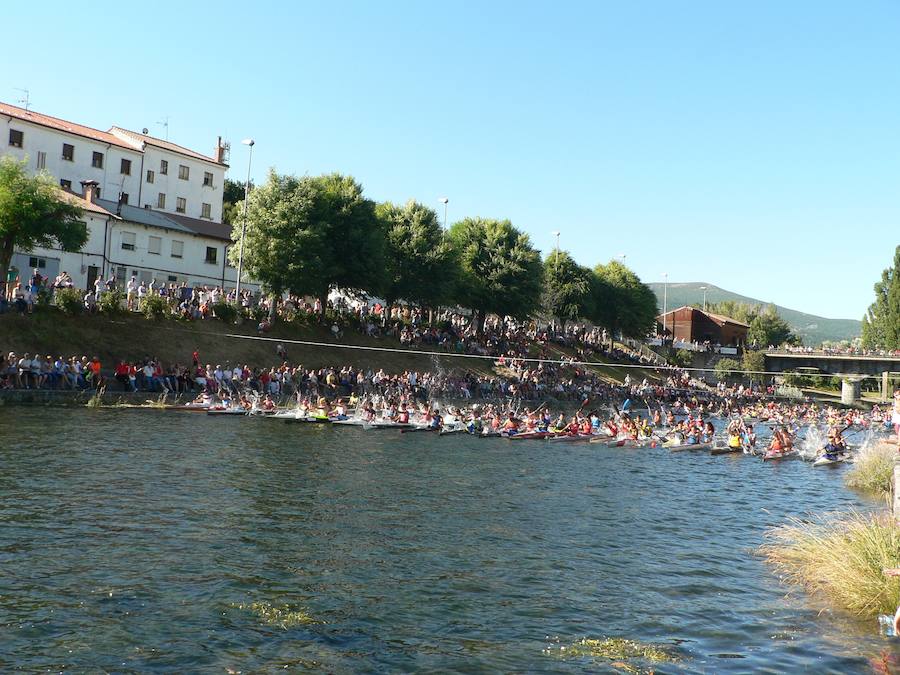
812, 329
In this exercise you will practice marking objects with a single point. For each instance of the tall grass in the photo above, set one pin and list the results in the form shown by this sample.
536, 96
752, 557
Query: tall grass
873, 469
96, 401
842, 557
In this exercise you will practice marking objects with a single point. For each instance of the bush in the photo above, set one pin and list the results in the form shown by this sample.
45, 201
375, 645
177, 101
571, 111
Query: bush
841, 556
111, 303
726, 368
225, 311
69, 300
873, 469
154, 306
682, 358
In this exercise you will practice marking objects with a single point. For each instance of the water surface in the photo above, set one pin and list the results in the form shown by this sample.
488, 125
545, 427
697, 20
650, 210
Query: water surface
137, 540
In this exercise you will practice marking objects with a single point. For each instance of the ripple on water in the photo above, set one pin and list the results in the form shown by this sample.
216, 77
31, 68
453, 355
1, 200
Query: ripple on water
145, 540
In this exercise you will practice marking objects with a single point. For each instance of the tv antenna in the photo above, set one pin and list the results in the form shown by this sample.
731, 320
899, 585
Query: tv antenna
25, 101
165, 124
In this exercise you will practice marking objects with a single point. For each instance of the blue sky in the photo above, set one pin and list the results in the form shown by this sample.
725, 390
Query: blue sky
753, 146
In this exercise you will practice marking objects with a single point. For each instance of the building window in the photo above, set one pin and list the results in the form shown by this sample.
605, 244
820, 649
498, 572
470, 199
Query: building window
41, 160
211, 253
177, 248
65, 184
180, 204
206, 211
207, 179
15, 138
155, 245
163, 168
161, 200
123, 197
40, 263
97, 160
184, 172
128, 239
68, 152
126, 167
150, 175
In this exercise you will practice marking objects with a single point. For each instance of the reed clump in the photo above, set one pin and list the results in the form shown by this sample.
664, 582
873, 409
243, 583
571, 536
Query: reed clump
841, 556
873, 469
96, 401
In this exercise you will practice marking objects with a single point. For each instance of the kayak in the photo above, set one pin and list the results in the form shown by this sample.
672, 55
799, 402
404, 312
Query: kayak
570, 438
779, 454
722, 448
689, 446
526, 435
829, 460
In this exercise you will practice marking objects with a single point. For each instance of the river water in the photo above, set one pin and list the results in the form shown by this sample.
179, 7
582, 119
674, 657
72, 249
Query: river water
150, 540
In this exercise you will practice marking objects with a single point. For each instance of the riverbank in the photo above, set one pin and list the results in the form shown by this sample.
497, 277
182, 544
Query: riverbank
133, 337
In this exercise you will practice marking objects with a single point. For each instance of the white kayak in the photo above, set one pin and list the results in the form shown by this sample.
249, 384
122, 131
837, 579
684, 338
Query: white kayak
829, 460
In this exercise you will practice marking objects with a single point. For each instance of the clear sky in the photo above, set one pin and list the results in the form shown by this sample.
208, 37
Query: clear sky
754, 146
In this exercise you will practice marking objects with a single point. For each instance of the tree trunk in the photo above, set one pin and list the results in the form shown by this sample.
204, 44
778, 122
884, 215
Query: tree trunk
478, 318
6, 252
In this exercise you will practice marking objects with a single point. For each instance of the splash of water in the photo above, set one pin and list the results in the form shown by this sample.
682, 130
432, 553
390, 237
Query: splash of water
812, 443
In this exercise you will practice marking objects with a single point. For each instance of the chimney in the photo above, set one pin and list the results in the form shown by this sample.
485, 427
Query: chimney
219, 150
221, 153
89, 189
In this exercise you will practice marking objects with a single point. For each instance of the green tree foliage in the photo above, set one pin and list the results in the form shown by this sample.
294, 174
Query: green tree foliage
567, 287
34, 212
500, 271
419, 263
755, 363
307, 235
621, 302
739, 311
769, 329
726, 369
233, 201
881, 324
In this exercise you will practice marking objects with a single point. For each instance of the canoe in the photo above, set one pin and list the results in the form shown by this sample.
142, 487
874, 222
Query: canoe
722, 448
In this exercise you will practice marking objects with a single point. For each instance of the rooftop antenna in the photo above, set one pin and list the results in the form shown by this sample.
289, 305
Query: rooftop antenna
165, 124
25, 101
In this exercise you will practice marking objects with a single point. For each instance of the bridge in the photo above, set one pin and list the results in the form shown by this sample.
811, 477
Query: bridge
850, 367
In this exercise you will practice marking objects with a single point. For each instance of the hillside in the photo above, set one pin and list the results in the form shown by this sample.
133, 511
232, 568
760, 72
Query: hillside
812, 329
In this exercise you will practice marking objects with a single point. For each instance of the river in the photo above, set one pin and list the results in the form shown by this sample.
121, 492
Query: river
168, 541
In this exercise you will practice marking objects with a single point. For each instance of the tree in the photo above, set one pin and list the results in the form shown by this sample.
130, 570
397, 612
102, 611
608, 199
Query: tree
881, 324
739, 311
726, 368
767, 328
567, 287
755, 363
622, 303
34, 212
500, 271
419, 263
307, 235
232, 201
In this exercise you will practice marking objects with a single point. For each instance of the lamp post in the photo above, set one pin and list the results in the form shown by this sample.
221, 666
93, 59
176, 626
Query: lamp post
444, 201
703, 288
555, 233
665, 301
237, 287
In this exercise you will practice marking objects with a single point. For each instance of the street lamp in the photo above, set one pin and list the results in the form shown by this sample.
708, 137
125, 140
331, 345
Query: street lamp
703, 288
237, 288
665, 301
555, 233
444, 201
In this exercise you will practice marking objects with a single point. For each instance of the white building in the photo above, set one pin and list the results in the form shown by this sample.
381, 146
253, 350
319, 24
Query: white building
153, 208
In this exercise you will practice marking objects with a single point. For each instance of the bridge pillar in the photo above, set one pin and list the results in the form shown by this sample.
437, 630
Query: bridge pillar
885, 384
850, 389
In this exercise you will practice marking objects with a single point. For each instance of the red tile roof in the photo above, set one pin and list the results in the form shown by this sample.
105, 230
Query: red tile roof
61, 125
83, 203
136, 139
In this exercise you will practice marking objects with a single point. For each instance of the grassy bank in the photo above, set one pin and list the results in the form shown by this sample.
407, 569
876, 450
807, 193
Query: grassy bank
841, 556
132, 337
